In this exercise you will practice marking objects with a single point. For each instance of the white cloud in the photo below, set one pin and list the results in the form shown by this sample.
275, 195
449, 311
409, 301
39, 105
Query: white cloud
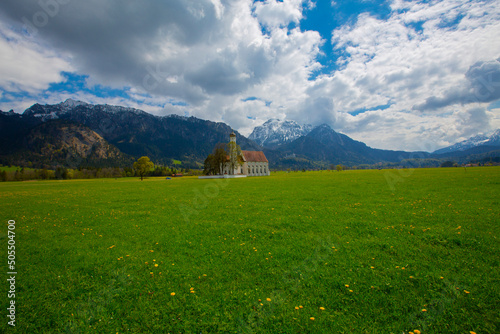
392, 62
274, 13
25, 65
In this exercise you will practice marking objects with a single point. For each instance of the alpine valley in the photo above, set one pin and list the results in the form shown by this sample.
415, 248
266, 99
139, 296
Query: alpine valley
77, 134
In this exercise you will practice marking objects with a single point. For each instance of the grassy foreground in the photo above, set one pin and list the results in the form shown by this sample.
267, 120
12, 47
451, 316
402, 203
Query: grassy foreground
315, 252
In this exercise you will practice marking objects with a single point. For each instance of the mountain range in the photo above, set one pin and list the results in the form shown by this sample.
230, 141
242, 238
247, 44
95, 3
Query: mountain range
476, 141
75, 134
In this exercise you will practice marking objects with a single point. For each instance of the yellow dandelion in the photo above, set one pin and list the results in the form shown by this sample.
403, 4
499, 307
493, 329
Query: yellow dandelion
466, 291
372, 267
172, 293
268, 299
312, 318
350, 291
441, 277
321, 308
300, 306
192, 291
416, 331
424, 310
156, 264
471, 332
296, 307
347, 285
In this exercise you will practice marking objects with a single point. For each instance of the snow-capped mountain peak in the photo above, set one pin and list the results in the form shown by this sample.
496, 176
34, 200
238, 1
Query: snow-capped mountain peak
276, 132
478, 140
70, 103
48, 112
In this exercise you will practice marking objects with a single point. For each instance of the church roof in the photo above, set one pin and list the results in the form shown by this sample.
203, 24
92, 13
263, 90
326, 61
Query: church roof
254, 156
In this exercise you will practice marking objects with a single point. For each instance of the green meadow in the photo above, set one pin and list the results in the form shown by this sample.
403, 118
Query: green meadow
379, 251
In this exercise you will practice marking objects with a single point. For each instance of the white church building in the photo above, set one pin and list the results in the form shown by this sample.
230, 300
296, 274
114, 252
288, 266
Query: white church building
254, 163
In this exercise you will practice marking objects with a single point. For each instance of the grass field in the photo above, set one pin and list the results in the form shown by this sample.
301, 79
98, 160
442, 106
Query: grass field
315, 252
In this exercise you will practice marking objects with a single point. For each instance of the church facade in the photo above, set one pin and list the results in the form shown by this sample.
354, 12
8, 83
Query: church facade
253, 163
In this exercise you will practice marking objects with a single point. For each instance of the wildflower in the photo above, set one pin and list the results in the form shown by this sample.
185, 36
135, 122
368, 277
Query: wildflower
296, 307
347, 285
466, 291
300, 306
268, 299
424, 310
350, 291
322, 308
156, 264
312, 318
172, 294
416, 331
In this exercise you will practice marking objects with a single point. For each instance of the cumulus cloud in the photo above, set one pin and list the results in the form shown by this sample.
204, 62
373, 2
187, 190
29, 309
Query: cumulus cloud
482, 84
274, 13
25, 66
424, 56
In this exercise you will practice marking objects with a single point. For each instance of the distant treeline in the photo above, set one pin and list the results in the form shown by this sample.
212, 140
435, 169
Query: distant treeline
60, 173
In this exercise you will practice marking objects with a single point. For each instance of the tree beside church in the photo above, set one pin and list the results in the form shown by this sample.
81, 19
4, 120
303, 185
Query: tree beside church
229, 159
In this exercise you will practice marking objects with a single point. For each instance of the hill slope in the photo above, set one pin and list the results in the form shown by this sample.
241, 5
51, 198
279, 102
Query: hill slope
62, 143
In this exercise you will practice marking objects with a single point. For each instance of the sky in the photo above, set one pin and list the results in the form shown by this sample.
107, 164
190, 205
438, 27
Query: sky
395, 74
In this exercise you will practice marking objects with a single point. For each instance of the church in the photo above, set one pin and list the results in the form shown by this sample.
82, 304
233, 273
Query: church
254, 163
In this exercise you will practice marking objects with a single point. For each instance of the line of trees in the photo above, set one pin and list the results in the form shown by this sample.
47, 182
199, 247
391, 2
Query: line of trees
61, 173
